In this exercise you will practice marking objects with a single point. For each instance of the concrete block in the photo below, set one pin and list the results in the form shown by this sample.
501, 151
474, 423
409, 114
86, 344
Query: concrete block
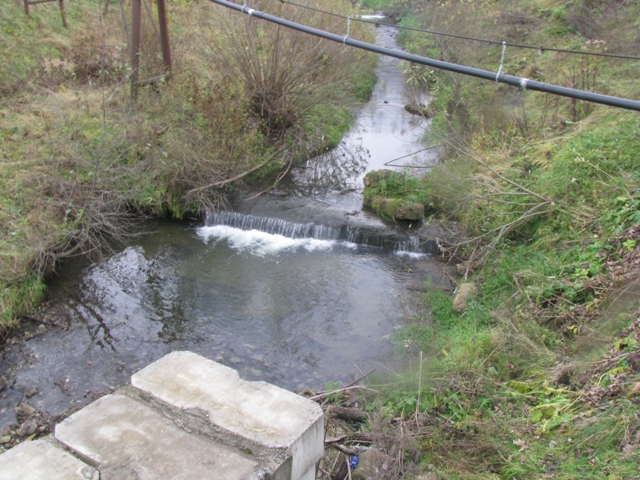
257, 411
42, 460
129, 440
310, 475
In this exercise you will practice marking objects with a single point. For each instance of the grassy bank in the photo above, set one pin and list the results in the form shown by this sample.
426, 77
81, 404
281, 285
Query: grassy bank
538, 377
81, 161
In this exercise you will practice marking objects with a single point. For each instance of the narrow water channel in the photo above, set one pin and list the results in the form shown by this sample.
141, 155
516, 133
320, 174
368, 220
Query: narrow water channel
297, 288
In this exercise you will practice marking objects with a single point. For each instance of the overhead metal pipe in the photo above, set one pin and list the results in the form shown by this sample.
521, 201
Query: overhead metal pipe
522, 83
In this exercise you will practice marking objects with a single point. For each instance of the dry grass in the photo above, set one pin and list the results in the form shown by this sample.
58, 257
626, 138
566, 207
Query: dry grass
80, 160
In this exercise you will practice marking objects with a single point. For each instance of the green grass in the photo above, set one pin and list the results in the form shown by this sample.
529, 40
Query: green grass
537, 378
378, 4
18, 299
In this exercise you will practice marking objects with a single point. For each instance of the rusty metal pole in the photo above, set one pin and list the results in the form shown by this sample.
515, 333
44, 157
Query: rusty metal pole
136, 7
26, 7
164, 36
63, 12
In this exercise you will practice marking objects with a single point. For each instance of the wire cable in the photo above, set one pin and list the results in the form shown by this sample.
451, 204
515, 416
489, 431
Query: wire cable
523, 83
463, 37
388, 164
504, 49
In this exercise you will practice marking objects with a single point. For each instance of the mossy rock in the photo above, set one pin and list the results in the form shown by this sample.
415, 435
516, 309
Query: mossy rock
396, 208
384, 199
374, 177
418, 109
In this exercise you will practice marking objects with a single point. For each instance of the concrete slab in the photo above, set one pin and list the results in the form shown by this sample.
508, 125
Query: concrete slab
128, 440
310, 475
258, 411
42, 460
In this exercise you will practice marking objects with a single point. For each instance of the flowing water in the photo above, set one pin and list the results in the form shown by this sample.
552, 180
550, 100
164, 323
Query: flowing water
297, 288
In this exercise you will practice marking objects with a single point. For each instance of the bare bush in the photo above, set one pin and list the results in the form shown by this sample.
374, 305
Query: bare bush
92, 58
603, 20
91, 218
282, 73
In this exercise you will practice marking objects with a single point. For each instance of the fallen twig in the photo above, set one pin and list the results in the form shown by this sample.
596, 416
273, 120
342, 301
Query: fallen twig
323, 395
345, 450
280, 176
349, 414
362, 377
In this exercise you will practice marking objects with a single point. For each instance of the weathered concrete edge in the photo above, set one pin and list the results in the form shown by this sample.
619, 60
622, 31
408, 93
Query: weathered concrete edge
239, 407
273, 461
129, 439
52, 461
196, 421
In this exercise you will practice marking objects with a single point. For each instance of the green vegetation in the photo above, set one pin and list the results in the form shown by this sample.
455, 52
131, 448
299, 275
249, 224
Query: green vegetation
378, 4
400, 185
539, 376
80, 162
395, 196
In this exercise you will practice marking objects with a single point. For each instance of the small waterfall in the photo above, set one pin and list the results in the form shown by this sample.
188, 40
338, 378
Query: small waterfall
274, 226
368, 236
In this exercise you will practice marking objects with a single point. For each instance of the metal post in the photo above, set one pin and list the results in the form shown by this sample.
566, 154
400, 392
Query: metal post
164, 36
26, 7
136, 7
63, 12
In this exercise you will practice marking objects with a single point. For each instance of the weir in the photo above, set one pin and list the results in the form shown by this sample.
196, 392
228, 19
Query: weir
182, 417
388, 239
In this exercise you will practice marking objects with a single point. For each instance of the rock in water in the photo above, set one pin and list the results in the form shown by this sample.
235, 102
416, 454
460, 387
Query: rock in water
417, 109
27, 428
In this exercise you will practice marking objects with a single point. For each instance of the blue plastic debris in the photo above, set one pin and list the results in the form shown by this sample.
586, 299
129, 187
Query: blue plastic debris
353, 463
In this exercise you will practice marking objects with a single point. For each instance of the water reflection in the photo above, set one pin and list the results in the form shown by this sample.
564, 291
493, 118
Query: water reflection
291, 318
337, 170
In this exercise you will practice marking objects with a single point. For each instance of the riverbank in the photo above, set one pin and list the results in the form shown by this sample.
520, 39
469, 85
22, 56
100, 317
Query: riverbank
82, 162
535, 376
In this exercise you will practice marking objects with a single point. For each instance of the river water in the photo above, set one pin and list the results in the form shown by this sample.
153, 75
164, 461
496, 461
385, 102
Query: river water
299, 287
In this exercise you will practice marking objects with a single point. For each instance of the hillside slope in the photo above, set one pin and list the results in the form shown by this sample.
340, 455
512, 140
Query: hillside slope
538, 376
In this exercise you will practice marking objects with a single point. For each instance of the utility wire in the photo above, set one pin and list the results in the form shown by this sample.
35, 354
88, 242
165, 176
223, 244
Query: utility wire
523, 83
453, 35
388, 164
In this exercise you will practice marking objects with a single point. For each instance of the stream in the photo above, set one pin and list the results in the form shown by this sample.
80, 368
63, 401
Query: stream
299, 287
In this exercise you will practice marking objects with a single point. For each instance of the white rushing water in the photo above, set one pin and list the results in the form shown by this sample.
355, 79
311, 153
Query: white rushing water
262, 243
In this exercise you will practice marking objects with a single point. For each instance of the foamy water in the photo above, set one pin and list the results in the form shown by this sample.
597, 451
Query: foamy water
262, 244
404, 253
